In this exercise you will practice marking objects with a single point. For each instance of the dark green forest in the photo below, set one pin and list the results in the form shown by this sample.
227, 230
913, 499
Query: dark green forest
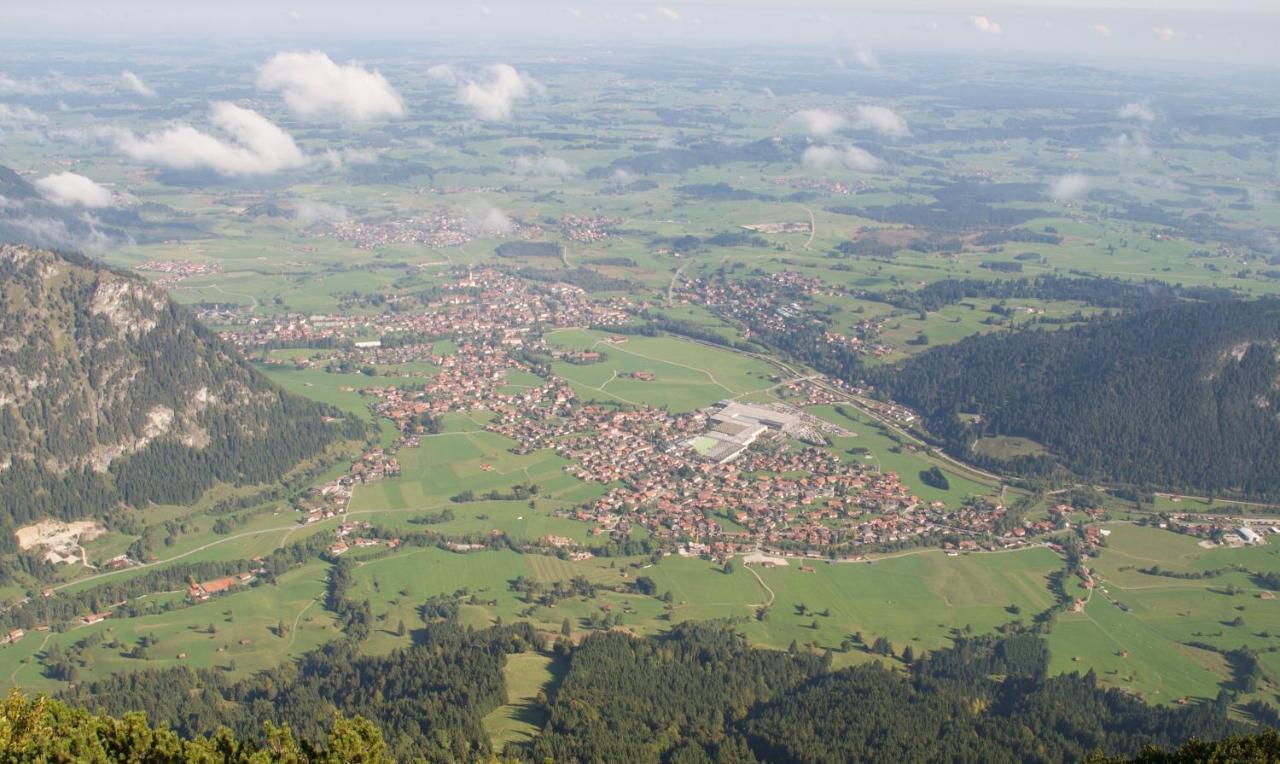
698, 693
1182, 396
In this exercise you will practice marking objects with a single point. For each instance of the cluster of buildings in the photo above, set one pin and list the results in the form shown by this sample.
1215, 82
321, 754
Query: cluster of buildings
733, 477
777, 303
174, 271
1222, 530
436, 229
588, 230
489, 307
823, 185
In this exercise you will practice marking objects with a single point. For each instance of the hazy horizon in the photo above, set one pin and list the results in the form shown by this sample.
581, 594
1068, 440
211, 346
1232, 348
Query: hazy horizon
1186, 32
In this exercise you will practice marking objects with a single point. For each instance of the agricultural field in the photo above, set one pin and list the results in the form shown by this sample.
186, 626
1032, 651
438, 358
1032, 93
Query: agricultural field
1138, 629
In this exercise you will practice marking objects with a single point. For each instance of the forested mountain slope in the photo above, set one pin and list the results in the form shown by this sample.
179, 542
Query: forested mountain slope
110, 392
1185, 397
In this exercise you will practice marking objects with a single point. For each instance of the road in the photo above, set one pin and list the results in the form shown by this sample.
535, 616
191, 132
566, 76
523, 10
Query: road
671, 288
768, 603
813, 228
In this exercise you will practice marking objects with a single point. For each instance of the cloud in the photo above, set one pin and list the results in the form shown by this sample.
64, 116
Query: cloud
849, 158
67, 189
314, 86
667, 13
1069, 187
79, 234
553, 166
485, 10
484, 219
134, 82
492, 98
1101, 30
443, 73
339, 157
257, 146
1140, 111
18, 114
1166, 33
309, 212
1130, 144
985, 25
866, 58
882, 120
10, 86
820, 122
574, 12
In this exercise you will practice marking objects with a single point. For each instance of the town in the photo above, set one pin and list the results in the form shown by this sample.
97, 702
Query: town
726, 480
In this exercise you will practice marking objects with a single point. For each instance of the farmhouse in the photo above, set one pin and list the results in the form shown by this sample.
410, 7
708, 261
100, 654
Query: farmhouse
203, 591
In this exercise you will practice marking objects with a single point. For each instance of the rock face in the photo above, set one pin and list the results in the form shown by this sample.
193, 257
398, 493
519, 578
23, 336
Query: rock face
105, 382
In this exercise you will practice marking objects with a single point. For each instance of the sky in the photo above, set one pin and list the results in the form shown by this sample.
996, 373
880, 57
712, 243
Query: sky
1235, 31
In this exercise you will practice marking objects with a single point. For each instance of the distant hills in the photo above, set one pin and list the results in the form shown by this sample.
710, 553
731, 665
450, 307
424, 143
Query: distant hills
110, 393
1184, 397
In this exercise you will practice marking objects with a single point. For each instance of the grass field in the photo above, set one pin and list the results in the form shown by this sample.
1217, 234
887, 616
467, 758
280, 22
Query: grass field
1144, 646
687, 375
526, 675
243, 639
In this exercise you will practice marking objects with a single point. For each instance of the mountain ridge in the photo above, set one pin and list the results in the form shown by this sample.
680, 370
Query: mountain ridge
105, 382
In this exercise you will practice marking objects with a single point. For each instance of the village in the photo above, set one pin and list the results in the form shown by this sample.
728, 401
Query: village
726, 480
773, 304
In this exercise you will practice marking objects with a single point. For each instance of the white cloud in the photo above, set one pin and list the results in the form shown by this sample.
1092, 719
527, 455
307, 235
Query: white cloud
668, 13
820, 122
985, 25
849, 158
10, 86
574, 12
866, 58
81, 234
554, 166
67, 189
1130, 144
339, 157
443, 73
294, 16
134, 82
314, 86
484, 219
309, 212
1100, 29
1165, 33
1140, 111
485, 10
1069, 187
882, 120
492, 98
257, 146
16, 114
